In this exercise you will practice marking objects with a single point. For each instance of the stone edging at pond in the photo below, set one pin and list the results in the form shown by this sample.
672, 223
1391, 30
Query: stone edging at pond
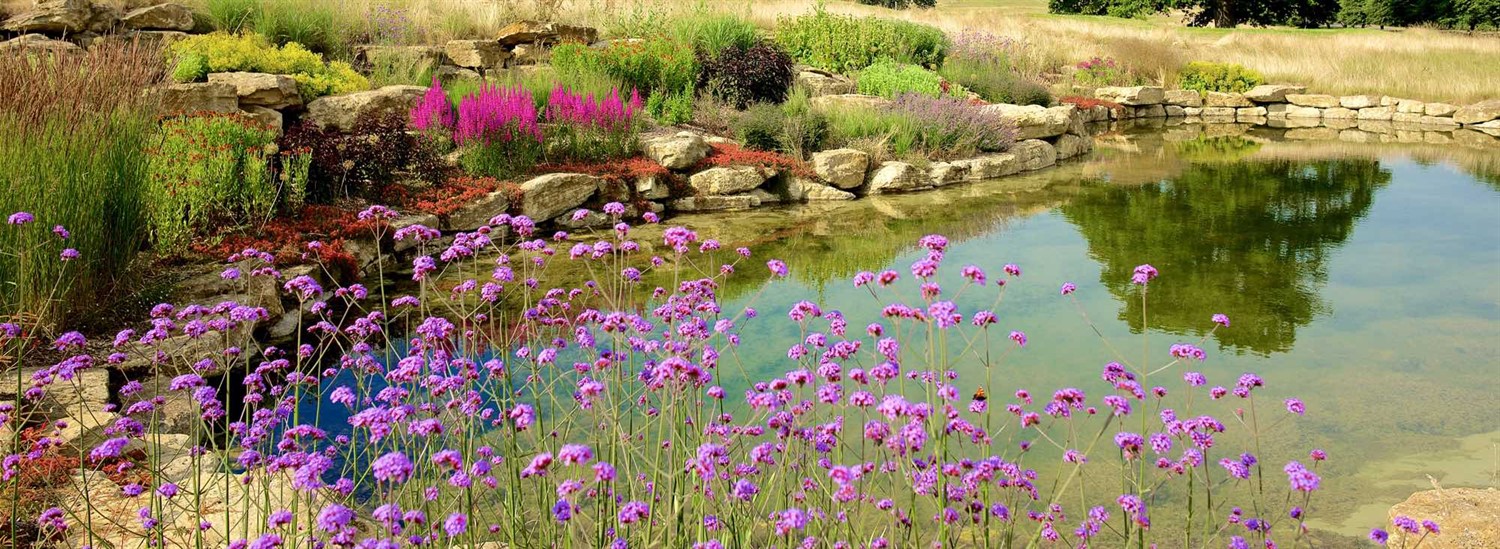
1289, 107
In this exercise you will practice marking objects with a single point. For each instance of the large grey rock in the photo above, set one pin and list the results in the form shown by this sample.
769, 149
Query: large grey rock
1411, 106
850, 100
172, 17
1376, 113
1340, 113
1468, 517
1312, 100
478, 213
268, 117
1272, 93
989, 166
1304, 112
652, 187
215, 97
342, 112
1357, 102
726, 180
375, 54
555, 194
820, 82
1069, 146
676, 152
947, 173
1034, 154
1221, 99
275, 91
897, 177
532, 32
843, 168
807, 190
1483, 111
54, 17
1184, 98
477, 54
1132, 95
1440, 109
37, 43
714, 203
1034, 121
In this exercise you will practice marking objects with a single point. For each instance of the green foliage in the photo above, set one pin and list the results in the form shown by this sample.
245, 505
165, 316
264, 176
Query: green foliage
889, 79
759, 127
648, 65
922, 127
671, 108
1099, 72
793, 127
398, 66
196, 56
1205, 76
1469, 14
712, 34
232, 175
994, 81
323, 27
848, 44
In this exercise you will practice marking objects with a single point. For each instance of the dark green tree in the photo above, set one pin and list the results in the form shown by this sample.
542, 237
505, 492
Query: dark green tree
1352, 13
1473, 14
1263, 234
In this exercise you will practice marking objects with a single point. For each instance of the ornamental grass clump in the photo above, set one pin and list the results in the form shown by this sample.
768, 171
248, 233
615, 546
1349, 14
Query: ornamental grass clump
75, 132
499, 403
997, 68
847, 44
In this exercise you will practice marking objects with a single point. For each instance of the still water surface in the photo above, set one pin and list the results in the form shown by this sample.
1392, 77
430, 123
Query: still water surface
1361, 279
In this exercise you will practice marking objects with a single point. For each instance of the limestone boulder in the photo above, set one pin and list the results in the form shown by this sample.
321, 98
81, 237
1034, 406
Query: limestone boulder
477, 54
1340, 113
1034, 154
1174, 111
37, 43
1069, 146
807, 190
538, 32
478, 213
275, 91
1304, 112
1034, 121
989, 166
1437, 122
714, 203
850, 100
843, 168
727, 180
215, 97
676, 152
1478, 113
1411, 106
820, 82
268, 117
1312, 100
1132, 95
652, 187
342, 112
555, 194
1357, 102
1469, 518
947, 173
373, 54
1221, 99
1272, 93
172, 17
53, 17
1439, 109
892, 177
1184, 98
1376, 113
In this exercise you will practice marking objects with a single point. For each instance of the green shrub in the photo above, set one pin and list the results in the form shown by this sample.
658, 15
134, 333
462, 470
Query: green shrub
759, 127
397, 66
761, 73
236, 177
804, 128
1205, 76
76, 129
670, 108
890, 79
711, 34
917, 125
847, 44
196, 56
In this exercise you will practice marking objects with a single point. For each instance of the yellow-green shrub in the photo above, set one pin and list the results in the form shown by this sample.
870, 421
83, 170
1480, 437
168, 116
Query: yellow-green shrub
197, 56
1205, 76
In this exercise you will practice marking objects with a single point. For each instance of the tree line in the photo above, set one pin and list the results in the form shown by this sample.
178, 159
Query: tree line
1461, 14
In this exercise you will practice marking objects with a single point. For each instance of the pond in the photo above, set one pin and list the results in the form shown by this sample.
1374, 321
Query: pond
1358, 278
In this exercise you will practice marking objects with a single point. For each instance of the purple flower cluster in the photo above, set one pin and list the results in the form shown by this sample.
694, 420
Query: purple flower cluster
949, 122
433, 112
496, 114
608, 113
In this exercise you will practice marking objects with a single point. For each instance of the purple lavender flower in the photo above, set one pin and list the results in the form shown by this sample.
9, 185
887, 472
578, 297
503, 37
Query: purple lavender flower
393, 467
20, 218
778, 268
334, 517
634, 511
1143, 274
456, 524
1379, 536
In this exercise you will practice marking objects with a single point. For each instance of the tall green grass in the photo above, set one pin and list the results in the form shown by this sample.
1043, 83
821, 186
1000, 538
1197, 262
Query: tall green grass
328, 28
76, 130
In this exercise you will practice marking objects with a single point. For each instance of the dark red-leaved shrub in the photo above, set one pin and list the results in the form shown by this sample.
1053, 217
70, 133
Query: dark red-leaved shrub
360, 162
761, 73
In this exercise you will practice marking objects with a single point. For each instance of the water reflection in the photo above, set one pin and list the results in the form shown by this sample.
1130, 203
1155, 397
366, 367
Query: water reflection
1249, 237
